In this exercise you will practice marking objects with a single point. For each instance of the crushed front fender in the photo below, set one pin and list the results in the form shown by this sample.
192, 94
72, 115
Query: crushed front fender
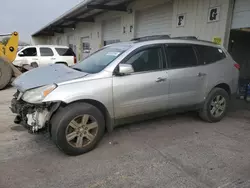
34, 117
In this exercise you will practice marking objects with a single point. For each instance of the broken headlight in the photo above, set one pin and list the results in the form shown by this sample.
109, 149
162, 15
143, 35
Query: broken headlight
38, 94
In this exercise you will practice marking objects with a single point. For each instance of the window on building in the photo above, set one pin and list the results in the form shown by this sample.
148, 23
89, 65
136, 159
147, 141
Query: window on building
209, 54
46, 52
181, 56
28, 52
146, 60
86, 46
65, 52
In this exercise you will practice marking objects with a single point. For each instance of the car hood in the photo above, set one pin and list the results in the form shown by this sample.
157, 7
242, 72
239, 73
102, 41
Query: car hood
46, 75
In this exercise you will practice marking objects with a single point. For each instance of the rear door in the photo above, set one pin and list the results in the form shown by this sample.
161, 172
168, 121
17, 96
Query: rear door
218, 68
46, 56
185, 75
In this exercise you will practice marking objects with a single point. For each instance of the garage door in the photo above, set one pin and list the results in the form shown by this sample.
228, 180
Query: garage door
111, 31
241, 14
154, 21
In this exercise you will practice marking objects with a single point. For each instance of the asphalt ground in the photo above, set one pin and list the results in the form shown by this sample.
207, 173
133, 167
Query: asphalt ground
176, 151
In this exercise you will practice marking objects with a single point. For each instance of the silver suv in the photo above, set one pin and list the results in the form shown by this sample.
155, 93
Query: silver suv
123, 81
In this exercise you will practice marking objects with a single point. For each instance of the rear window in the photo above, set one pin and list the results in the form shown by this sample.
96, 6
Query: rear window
65, 52
208, 54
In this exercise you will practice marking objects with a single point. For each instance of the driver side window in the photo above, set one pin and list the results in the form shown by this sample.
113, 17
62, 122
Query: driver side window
146, 60
28, 52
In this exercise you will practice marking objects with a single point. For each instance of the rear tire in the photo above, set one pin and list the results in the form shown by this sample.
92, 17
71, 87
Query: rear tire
5, 74
68, 127
215, 106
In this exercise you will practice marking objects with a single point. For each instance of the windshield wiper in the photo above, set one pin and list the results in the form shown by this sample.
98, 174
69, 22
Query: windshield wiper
78, 69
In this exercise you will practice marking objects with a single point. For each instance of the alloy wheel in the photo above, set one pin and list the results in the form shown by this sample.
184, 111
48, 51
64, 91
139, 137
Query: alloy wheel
218, 106
81, 131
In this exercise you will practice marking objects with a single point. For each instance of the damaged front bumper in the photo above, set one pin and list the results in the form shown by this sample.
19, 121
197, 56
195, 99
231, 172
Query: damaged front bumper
34, 117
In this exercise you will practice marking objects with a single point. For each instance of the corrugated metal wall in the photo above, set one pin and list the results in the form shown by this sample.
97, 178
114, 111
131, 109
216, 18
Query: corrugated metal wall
111, 29
154, 21
196, 21
197, 18
241, 15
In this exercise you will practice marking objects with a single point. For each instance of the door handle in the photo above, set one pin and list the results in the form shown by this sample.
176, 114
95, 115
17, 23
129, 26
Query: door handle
160, 79
200, 74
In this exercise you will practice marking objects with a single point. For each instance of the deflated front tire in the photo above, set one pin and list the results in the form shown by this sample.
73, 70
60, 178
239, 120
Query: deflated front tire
77, 128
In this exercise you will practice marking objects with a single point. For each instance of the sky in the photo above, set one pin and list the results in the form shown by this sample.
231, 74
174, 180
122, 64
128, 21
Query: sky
28, 16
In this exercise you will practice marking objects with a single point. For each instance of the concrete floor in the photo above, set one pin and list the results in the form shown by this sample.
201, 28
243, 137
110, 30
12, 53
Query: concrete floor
177, 151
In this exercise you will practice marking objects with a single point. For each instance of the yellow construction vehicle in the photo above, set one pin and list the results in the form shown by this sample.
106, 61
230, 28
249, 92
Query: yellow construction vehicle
8, 54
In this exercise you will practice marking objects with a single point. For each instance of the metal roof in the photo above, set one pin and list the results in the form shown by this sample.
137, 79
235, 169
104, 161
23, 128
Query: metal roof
83, 12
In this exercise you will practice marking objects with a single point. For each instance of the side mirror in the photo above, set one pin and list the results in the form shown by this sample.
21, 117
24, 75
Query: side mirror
21, 54
125, 69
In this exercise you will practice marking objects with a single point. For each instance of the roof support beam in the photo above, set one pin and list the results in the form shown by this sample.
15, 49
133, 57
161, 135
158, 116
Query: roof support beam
55, 29
59, 31
47, 33
80, 19
66, 26
108, 7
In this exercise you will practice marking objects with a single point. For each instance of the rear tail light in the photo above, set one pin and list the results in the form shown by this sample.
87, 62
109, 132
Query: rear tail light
237, 66
74, 59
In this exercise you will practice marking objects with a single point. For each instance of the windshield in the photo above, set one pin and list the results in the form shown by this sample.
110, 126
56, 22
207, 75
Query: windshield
99, 60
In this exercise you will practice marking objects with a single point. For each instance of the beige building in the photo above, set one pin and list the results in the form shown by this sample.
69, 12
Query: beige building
95, 23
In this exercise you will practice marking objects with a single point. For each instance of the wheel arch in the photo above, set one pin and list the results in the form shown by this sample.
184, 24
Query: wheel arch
109, 122
224, 86
62, 62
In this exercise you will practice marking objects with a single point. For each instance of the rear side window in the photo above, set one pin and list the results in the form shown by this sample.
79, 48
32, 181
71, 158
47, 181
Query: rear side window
181, 56
46, 52
65, 52
208, 54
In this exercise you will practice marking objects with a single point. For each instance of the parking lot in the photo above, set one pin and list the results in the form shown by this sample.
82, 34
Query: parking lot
174, 151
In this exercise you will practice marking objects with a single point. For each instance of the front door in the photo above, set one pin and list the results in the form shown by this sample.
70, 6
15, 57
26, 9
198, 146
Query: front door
145, 90
187, 80
26, 56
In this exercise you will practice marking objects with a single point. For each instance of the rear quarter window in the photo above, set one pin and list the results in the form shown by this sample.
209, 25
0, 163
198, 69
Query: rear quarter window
65, 52
209, 54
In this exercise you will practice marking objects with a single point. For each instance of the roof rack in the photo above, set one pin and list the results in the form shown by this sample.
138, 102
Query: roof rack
186, 37
192, 38
153, 37
161, 37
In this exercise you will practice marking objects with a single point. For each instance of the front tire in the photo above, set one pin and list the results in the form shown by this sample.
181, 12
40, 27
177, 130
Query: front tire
215, 106
77, 128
